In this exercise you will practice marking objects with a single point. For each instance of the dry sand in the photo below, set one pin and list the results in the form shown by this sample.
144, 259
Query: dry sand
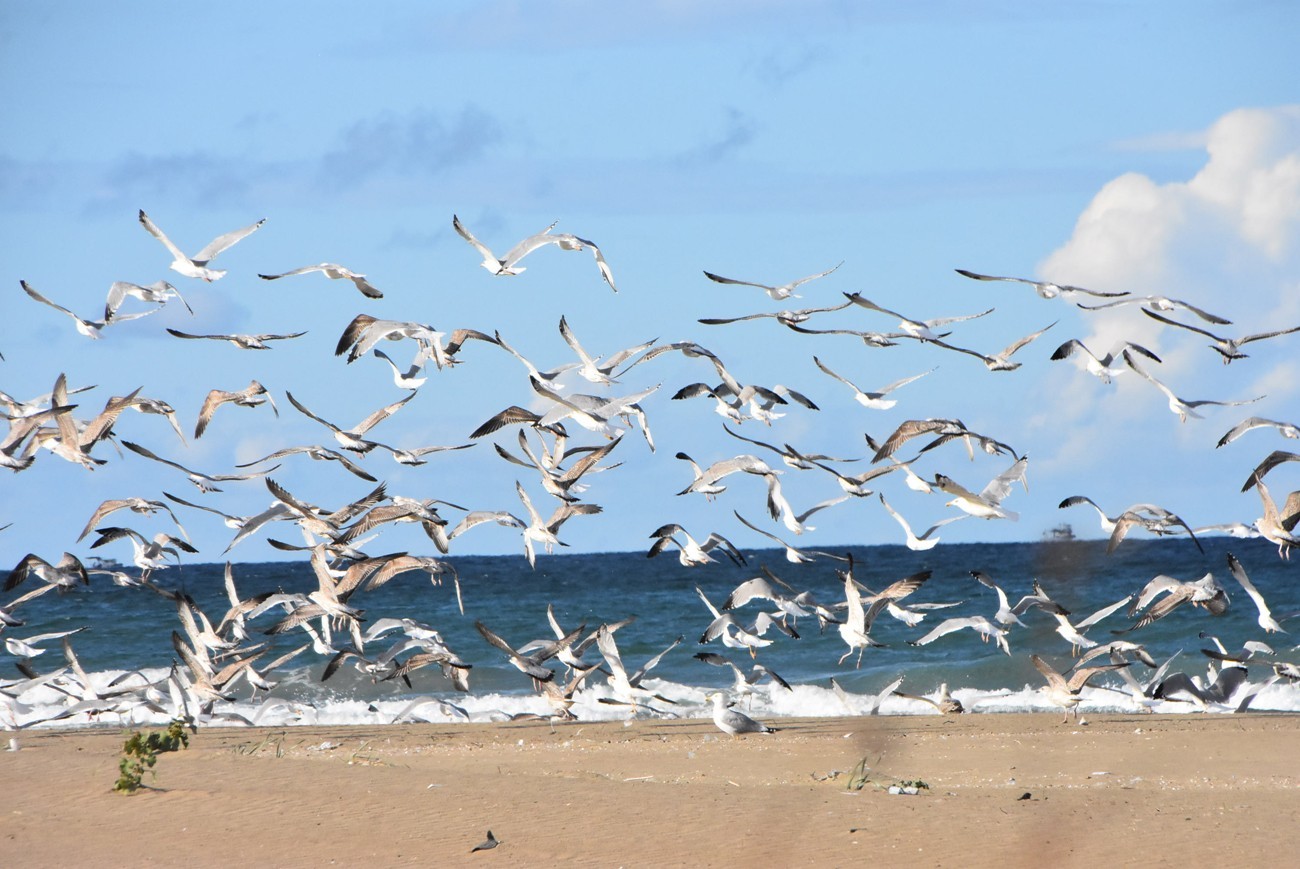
1004, 790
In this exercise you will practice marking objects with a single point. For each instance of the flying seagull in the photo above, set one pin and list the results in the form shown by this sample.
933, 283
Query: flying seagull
1045, 289
506, 265
334, 272
1228, 348
197, 265
777, 293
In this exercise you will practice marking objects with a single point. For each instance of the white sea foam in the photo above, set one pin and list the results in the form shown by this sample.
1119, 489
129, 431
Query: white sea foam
34, 706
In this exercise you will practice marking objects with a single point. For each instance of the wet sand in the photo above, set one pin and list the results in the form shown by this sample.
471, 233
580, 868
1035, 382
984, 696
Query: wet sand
1003, 790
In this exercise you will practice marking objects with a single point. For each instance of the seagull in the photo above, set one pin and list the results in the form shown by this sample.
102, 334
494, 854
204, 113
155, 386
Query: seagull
243, 342
250, 396
1161, 303
998, 361
159, 291
149, 554
598, 371
334, 272
142, 506
945, 429
1266, 620
776, 293
408, 379
1271, 461
1153, 518
792, 555
692, 553
201, 480
544, 532
1204, 592
945, 703
742, 682
351, 439
922, 330
67, 573
870, 338
924, 541
197, 266
1067, 694
872, 399
1006, 616
787, 317
506, 265
1045, 289
707, 480
732, 721
979, 624
530, 665
365, 331
1180, 406
319, 453
627, 686
89, 328
1228, 348
854, 630
988, 503
1277, 526
1102, 367
1286, 429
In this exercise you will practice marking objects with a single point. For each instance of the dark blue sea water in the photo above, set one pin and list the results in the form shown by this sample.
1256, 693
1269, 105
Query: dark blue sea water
130, 628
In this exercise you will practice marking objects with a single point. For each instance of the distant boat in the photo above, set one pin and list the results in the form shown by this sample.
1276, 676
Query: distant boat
1060, 532
99, 563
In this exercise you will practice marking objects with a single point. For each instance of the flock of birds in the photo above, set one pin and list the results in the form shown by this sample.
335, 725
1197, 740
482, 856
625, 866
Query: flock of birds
214, 654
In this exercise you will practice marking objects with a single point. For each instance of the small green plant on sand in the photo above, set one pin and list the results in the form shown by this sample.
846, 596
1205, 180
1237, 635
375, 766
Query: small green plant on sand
140, 752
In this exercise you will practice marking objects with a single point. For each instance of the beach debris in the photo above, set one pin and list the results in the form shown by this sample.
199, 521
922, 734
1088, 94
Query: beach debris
490, 842
1025, 796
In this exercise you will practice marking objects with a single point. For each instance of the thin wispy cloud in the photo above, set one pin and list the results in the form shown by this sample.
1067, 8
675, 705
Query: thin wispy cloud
422, 142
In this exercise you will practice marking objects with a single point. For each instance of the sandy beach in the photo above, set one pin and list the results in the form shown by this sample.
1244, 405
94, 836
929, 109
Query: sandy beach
1006, 790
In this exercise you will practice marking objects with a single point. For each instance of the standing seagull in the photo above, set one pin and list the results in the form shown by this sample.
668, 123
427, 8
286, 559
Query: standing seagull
732, 721
197, 266
334, 272
777, 293
1045, 289
506, 265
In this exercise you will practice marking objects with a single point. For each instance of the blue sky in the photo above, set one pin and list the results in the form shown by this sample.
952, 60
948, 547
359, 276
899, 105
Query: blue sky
1153, 149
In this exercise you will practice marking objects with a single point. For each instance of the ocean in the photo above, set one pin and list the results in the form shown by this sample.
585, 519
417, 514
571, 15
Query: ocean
127, 630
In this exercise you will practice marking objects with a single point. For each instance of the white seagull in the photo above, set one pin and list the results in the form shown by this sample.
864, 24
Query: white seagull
197, 265
334, 272
777, 293
872, 399
507, 265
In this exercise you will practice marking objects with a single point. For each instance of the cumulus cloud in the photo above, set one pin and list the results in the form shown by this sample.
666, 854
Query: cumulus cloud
1227, 240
